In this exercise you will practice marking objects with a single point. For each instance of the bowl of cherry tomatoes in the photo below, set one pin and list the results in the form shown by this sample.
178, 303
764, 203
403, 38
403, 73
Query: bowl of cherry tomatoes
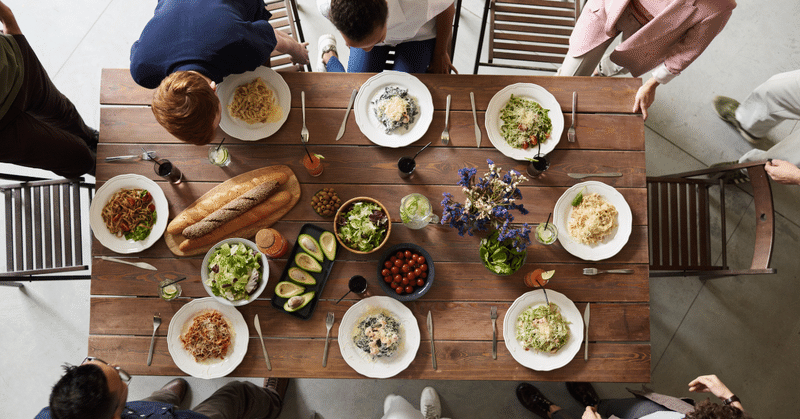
405, 272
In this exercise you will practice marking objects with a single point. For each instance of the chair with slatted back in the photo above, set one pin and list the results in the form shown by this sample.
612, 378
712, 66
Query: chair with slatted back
679, 216
285, 18
43, 228
534, 33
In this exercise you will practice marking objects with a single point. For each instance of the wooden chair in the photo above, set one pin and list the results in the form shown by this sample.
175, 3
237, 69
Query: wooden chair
535, 32
680, 226
285, 18
43, 228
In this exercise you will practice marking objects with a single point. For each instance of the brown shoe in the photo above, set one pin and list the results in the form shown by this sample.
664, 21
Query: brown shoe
278, 385
177, 387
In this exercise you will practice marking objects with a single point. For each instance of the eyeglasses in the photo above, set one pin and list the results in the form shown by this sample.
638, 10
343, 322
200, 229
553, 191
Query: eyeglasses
123, 375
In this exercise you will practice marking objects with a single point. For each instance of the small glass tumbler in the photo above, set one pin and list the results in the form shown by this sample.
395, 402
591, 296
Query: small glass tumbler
406, 166
170, 292
546, 234
538, 165
167, 170
313, 164
358, 285
218, 155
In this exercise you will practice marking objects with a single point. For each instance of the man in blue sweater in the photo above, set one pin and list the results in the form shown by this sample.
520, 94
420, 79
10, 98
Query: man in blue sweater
191, 45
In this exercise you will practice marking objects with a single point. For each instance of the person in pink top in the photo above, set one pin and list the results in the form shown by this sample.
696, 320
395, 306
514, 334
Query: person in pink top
660, 35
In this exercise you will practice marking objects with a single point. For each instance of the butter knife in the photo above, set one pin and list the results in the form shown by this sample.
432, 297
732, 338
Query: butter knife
430, 332
346, 114
261, 339
583, 175
142, 265
475, 120
586, 340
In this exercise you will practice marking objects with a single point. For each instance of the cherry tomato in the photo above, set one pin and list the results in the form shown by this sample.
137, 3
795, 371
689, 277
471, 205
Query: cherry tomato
405, 281
525, 145
418, 271
395, 270
412, 276
409, 289
397, 278
399, 290
387, 279
421, 259
424, 267
407, 254
420, 282
388, 264
393, 258
151, 207
398, 263
399, 255
412, 263
406, 269
394, 285
423, 275
386, 272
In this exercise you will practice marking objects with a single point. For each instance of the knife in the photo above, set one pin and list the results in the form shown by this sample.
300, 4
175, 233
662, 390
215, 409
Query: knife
475, 119
586, 341
583, 175
115, 158
430, 332
346, 114
264, 348
142, 265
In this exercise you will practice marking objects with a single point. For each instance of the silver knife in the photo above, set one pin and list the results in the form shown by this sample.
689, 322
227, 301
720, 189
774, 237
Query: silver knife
583, 175
430, 332
129, 157
346, 114
142, 265
475, 119
586, 341
261, 339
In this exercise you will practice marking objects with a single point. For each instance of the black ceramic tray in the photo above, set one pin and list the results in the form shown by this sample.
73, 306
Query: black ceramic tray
321, 277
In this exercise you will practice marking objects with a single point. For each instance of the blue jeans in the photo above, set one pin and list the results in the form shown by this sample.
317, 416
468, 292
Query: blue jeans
409, 57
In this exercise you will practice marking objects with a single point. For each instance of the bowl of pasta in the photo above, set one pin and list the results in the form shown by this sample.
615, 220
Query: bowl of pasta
255, 104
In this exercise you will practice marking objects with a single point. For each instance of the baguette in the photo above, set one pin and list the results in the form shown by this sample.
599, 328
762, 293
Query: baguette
231, 210
209, 203
250, 217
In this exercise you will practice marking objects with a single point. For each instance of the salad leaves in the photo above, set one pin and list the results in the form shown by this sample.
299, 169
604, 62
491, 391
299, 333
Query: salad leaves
500, 258
363, 227
234, 271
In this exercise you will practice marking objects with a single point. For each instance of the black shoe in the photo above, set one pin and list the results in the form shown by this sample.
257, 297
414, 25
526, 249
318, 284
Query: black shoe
533, 399
583, 393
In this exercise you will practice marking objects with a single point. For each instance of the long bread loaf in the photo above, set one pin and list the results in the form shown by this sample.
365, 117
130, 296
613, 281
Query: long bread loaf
254, 215
207, 204
231, 210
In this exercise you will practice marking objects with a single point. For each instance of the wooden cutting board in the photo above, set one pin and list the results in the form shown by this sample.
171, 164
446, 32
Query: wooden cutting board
292, 186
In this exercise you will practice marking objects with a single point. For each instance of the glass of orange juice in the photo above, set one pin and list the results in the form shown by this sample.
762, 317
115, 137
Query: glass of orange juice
313, 163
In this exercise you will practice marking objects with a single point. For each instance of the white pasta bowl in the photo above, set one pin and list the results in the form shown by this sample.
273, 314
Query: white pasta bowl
204, 273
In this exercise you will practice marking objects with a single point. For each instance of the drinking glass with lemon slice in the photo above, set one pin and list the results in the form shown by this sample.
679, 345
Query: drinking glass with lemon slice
170, 292
218, 155
416, 211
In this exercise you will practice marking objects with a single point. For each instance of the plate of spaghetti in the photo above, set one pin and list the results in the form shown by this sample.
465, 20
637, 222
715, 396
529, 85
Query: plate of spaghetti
255, 104
207, 339
599, 226
128, 213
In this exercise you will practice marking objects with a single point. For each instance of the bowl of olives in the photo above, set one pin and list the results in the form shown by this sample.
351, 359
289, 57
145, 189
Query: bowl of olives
406, 272
326, 202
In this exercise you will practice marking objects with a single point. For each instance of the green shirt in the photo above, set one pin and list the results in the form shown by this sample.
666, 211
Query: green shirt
11, 72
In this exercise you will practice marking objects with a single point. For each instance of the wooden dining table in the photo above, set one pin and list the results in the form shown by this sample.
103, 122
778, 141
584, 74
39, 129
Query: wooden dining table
610, 138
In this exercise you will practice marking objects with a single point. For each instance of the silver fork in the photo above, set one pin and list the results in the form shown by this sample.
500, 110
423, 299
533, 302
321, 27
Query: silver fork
328, 325
494, 332
156, 323
571, 132
595, 271
446, 132
304, 131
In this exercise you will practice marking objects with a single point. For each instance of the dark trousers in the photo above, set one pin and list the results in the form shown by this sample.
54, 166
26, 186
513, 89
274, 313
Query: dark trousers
235, 400
42, 129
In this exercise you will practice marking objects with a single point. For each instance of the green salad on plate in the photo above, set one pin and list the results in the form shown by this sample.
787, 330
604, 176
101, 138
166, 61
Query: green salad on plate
234, 271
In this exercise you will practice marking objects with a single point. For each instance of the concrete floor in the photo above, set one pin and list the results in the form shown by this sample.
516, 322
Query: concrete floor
745, 329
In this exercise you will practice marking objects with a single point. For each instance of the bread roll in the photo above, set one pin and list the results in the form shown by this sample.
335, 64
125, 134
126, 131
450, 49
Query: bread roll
231, 210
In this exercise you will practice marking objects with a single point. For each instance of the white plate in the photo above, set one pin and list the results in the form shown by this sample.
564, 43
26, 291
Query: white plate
261, 285
614, 242
240, 129
104, 193
368, 122
217, 368
379, 367
527, 91
540, 361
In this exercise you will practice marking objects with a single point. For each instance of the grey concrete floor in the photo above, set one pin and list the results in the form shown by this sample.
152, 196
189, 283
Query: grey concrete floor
745, 329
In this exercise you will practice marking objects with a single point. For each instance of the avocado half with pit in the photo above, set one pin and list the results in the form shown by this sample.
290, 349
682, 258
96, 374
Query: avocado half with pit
298, 301
327, 241
310, 246
307, 262
298, 275
286, 289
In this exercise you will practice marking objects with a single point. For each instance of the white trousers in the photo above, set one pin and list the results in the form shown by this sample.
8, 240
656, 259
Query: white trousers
773, 101
396, 407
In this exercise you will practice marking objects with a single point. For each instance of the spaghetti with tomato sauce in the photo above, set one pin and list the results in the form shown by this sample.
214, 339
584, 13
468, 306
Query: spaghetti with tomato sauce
130, 213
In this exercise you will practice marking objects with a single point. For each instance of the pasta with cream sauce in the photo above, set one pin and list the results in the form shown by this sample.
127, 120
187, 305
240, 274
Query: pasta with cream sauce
254, 103
592, 220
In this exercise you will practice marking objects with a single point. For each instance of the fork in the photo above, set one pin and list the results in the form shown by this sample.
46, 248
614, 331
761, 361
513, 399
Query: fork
571, 132
494, 332
328, 325
595, 271
446, 132
156, 323
304, 131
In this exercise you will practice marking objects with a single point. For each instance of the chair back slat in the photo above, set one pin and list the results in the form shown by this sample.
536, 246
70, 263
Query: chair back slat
683, 223
285, 19
765, 220
47, 237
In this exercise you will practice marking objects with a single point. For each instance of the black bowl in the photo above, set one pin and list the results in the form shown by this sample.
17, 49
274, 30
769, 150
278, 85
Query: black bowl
418, 292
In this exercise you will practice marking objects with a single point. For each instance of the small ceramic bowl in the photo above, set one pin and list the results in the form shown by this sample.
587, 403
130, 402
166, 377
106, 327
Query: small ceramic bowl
418, 291
347, 206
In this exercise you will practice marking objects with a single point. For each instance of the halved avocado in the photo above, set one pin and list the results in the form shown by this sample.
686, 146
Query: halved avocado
301, 276
310, 245
286, 289
327, 242
307, 262
298, 301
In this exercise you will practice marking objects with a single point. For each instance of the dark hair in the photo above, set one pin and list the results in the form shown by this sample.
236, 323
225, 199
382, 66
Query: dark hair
357, 19
82, 393
709, 410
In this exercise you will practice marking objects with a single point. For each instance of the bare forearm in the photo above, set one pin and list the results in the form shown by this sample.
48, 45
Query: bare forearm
10, 26
444, 30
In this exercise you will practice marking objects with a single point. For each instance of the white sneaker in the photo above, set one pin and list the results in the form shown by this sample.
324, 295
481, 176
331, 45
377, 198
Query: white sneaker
429, 404
326, 43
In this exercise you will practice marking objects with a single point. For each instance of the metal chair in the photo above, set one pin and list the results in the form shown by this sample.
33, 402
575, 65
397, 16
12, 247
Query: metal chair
529, 31
285, 18
43, 228
680, 222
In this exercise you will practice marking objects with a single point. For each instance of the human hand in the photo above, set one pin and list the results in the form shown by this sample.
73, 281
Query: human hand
710, 384
591, 413
782, 171
645, 97
300, 53
441, 64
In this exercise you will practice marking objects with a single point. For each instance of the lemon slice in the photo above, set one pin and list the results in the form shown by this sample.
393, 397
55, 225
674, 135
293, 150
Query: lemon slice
170, 291
548, 274
221, 156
